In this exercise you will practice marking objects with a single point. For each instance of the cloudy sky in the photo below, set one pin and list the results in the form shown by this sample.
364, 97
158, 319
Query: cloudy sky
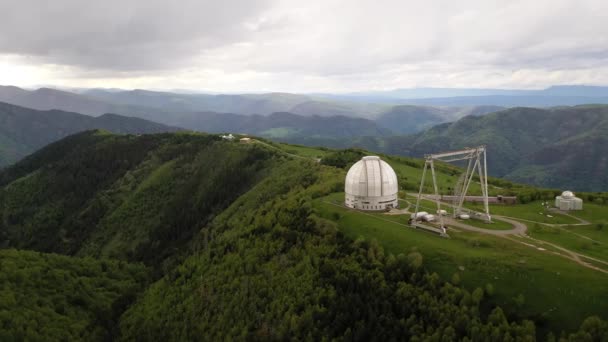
303, 46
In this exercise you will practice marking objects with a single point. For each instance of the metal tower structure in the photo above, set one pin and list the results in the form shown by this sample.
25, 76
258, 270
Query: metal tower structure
476, 161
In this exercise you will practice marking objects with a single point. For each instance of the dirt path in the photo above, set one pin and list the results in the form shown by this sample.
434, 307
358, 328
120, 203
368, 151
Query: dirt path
581, 221
518, 227
255, 141
566, 253
515, 235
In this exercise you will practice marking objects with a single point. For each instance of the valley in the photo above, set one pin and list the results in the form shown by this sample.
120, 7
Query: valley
558, 148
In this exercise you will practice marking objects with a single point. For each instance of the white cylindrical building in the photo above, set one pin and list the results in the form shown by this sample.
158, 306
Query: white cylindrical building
567, 201
371, 184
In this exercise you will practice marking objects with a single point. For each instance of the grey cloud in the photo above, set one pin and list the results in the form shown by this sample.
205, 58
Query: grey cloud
122, 35
294, 44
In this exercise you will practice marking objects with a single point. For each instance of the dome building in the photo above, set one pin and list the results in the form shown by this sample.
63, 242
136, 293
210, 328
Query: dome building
371, 184
567, 201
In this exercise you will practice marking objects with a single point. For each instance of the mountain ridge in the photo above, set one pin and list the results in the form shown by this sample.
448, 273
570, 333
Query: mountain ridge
24, 130
522, 138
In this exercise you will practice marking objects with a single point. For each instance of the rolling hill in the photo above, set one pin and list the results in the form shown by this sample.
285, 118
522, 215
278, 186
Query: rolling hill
225, 103
408, 119
510, 101
49, 99
560, 95
195, 238
24, 130
168, 107
559, 147
288, 126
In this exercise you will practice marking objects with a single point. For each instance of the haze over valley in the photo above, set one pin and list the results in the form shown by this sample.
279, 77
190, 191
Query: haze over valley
521, 139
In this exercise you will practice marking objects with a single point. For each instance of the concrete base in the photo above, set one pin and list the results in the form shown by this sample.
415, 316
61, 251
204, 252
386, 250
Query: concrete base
380, 203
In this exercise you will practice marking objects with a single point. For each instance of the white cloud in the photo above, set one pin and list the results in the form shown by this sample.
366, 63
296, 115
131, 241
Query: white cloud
330, 45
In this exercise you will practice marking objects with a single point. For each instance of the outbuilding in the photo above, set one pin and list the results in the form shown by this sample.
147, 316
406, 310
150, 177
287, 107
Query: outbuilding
567, 201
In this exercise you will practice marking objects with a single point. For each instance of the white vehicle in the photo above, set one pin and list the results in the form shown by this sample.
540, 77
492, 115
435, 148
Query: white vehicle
464, 216
428, 218
419, 215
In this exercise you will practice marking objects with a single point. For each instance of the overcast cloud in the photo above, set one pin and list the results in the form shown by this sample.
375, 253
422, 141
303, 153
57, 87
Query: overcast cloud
303, 46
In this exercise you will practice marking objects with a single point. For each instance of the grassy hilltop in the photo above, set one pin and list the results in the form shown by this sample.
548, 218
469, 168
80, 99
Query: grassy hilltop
222, 240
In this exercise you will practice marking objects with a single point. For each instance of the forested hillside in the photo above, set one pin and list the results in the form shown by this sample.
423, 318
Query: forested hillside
281, 126
234, 247
408, 119
559, 148
49, 297
136, 198
24, 130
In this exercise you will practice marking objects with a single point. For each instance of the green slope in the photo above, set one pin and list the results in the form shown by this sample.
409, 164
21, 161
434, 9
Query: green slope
239, 248
24, 130
128, 197
560, 147
49, 297
270, 268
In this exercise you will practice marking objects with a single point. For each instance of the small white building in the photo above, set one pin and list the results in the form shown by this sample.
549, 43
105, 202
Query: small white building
371, 184
228, 137
567, 201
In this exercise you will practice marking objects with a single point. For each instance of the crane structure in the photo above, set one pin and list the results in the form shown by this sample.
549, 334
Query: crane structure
476, 163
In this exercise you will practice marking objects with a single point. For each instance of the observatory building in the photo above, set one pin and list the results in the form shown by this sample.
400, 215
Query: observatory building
567, 201
371, 184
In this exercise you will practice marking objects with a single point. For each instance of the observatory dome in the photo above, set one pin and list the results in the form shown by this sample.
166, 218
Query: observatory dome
567, 194
371, 184
567, 201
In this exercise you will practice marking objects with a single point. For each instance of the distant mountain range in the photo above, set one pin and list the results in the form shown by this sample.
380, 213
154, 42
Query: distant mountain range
281, 125
427, 106
558, 147
25, 130
553, 147
190, 111
407, 119
511, 101
565, 95
157, 106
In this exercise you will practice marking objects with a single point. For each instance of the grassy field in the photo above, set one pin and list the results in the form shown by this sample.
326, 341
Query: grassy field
575, 242
592, 212
431, 207
304, 151
495, 225
591, 231
532, 211
511, 268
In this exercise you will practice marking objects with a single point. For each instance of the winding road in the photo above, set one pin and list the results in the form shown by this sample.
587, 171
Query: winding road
519, 231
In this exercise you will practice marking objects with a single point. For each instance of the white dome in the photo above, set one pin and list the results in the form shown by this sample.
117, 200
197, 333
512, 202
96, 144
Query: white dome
567, 194
371, 184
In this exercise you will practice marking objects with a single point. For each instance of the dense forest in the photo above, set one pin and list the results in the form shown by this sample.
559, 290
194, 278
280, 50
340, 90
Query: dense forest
560, 147
50, 297
188, 237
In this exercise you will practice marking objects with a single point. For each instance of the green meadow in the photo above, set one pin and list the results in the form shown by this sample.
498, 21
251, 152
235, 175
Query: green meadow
512, 269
